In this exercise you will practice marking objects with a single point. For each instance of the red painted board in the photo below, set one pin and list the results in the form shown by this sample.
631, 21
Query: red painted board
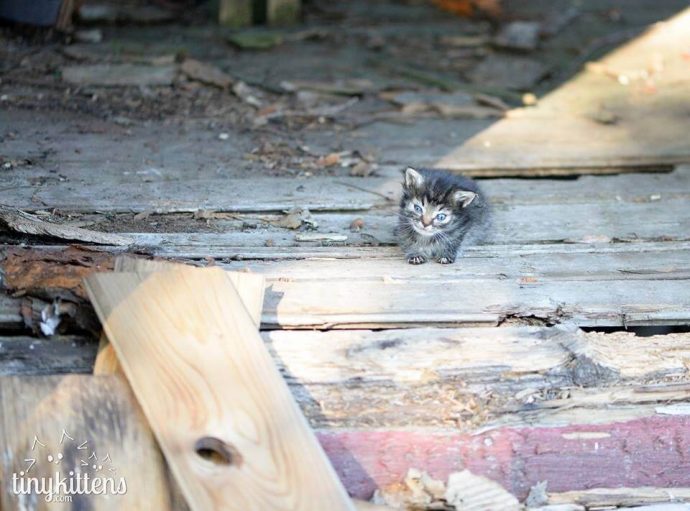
653, 451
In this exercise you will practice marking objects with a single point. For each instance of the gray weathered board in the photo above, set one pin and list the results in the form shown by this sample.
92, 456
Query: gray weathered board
515, 375
623, 111
602, 284
109, 194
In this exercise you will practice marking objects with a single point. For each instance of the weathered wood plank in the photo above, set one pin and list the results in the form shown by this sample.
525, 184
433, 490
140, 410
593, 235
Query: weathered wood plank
610, 115
10, 313
60, 354
345, 304
577, 223
641, 452
608, 285
324, 193
105, 436
263, 454
470, 378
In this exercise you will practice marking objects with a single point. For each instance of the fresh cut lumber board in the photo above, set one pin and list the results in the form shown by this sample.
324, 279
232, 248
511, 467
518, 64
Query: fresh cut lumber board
249, 286
222, 414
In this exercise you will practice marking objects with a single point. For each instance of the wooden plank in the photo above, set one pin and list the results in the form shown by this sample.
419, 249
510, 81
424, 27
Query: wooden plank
636, 453
323, 193
472, 379
602, 284
60, 354
104, 430
283, 12
10, 313
241, 427
249, 286
381, 303
235, 13
637, 87
578, 223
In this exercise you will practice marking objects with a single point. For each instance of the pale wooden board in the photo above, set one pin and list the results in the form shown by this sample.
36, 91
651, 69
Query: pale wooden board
249, 286
560, 135
277, 461
322, 193
102, 413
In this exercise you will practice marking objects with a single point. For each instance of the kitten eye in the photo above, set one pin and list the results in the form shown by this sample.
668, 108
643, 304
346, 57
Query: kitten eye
441, 217
418, 208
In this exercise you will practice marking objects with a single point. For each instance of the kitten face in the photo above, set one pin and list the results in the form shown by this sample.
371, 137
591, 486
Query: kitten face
430, 212
428, 218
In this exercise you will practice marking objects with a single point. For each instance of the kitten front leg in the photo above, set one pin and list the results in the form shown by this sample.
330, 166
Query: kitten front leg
447, 255
416, 259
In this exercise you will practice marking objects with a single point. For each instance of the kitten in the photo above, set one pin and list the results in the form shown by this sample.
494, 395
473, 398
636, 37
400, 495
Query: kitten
439, 212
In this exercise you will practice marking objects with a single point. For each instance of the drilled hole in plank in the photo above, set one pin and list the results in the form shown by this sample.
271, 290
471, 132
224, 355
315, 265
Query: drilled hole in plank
215, 451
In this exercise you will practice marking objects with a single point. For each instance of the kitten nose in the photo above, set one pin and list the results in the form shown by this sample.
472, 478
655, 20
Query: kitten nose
426, 222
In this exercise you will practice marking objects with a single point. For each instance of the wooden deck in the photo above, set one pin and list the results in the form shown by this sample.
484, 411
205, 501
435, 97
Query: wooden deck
514, 362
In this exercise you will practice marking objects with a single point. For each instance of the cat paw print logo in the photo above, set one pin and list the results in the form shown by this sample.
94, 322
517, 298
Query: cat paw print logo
71, 467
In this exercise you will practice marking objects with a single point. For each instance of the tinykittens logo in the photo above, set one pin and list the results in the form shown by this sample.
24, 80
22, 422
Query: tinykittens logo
78, 471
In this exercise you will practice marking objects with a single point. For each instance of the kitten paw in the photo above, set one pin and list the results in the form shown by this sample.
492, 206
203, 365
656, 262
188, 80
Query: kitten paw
416, 259
445, 260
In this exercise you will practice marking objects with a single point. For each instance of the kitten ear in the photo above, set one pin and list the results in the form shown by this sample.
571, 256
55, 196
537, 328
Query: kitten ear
413, 179
464, 198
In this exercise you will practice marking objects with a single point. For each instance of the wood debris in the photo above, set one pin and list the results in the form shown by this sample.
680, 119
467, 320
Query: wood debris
455, 104
508, 71
110, 75
464, 491
24, 223
295, 218
519, 35
469, 492
205, 73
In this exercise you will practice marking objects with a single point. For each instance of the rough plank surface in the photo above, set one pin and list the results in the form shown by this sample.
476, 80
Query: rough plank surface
622, 116
601, 455
104, 428
319, 193
265, 454
60, 354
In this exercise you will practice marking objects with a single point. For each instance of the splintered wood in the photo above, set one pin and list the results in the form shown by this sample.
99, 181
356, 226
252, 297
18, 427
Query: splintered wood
224, 417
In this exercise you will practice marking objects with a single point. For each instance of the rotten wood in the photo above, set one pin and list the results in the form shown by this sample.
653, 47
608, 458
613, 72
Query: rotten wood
638, 86
236, 454
21, 222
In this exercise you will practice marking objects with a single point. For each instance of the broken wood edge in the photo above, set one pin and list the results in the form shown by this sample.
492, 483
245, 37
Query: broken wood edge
252, 296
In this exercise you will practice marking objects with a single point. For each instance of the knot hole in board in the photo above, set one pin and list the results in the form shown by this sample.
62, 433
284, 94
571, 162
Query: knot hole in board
216, 451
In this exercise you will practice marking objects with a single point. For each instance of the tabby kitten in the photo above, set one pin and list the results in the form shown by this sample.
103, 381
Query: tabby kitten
439, 213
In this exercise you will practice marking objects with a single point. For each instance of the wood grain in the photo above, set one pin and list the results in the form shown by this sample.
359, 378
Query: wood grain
249, 286
198, 367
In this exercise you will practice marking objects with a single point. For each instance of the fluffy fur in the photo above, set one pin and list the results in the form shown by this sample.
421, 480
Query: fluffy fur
439, 213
